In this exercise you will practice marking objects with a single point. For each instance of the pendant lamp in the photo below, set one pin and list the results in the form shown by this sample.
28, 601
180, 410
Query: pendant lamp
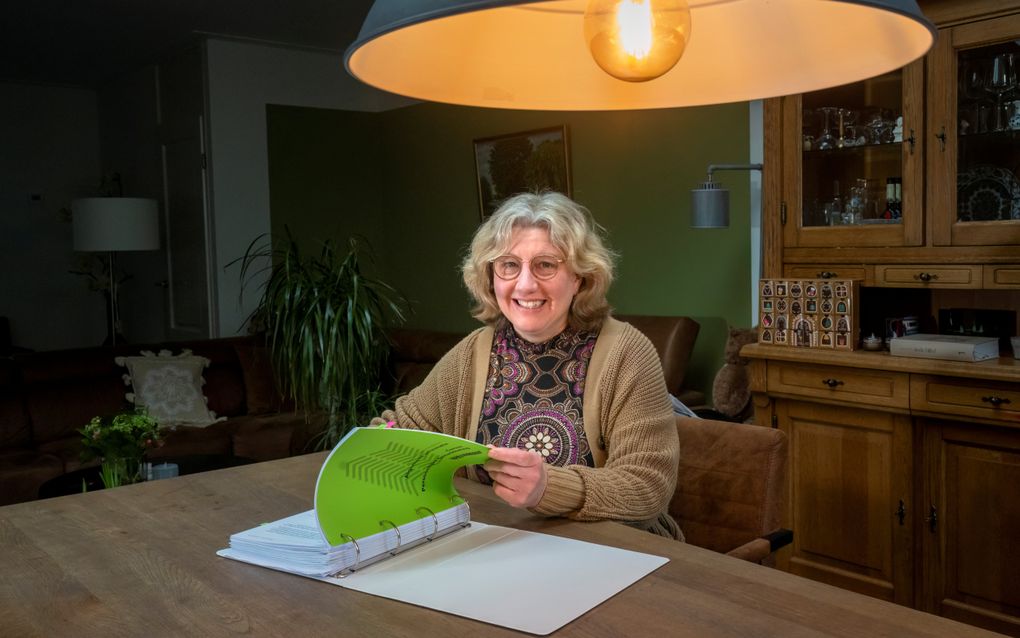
630, 54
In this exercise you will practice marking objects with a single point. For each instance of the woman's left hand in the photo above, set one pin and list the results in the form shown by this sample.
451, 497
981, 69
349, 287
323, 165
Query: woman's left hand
519, 477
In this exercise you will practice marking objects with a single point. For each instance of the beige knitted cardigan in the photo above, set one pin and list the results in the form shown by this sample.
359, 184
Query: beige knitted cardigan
628, 420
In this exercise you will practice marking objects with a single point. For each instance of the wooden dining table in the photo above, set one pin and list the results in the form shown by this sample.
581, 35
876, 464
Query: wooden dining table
140, 560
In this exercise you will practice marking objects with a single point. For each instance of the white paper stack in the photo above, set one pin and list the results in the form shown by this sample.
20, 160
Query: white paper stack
295, 544
950, 347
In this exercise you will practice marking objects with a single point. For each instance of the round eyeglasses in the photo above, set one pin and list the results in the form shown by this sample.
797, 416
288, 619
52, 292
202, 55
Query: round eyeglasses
542, 267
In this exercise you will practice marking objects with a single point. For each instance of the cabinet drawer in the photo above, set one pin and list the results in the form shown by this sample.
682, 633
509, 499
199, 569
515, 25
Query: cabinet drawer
976, 399
928, 276
828, 271
1002, 276
876, 388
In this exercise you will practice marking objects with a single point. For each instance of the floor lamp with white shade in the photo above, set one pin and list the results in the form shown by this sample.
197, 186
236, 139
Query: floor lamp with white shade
112, 225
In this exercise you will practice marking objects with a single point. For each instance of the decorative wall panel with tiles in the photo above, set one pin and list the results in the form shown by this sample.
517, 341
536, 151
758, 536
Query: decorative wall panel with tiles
809, 313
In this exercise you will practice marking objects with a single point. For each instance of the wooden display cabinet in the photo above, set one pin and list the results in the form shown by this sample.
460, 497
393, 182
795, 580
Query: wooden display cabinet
903, 475
957, 158
903, 472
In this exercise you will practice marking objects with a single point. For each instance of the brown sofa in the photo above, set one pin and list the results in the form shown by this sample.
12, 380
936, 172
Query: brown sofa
45, 397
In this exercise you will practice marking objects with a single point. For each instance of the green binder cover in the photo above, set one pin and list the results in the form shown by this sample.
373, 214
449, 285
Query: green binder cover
378, 476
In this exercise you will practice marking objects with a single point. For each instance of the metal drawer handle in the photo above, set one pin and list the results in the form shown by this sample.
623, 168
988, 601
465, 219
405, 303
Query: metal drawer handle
932, 519
827, 274
832, 383
924, 276
995, 401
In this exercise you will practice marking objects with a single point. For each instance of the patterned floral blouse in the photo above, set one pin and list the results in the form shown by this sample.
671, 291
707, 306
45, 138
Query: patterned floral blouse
534, 394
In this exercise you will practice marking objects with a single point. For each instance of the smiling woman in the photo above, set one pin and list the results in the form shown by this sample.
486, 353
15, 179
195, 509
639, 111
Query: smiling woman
532, 291
572, 401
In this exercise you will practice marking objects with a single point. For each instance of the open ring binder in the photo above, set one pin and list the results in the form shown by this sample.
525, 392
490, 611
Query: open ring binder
373, 480
396, 529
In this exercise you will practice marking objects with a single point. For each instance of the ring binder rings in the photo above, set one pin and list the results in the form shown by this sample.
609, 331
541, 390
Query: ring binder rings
434, 520
393, 552
357, 554
400, 549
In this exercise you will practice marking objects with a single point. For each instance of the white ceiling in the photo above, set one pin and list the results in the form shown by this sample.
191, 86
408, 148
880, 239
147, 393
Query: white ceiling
85, 42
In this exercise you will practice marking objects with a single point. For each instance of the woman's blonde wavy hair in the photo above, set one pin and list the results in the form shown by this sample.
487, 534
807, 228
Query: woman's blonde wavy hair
571, 229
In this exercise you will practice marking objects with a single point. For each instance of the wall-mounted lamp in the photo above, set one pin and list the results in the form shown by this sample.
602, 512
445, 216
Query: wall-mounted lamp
630, 54
710, 204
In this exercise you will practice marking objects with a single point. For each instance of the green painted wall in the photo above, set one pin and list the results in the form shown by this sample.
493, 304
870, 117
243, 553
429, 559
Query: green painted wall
405, 180
325, 173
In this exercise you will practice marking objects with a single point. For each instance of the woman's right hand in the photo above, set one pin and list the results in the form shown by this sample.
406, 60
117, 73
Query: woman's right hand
519, 477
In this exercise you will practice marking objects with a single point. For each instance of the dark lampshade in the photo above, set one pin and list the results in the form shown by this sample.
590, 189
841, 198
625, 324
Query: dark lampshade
538, 55
710, 206
710, 203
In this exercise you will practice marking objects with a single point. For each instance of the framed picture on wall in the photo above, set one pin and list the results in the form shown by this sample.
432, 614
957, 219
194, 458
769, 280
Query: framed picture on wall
531, 161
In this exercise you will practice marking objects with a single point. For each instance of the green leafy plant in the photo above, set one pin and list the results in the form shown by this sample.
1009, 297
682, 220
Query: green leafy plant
120, 443
325, 323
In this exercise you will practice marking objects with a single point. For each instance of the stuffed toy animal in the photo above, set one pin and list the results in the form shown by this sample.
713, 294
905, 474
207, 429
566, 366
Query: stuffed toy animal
731, 394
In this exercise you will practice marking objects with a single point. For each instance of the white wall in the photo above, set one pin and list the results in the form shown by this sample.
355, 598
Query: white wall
242, 79
756, 155
49, 146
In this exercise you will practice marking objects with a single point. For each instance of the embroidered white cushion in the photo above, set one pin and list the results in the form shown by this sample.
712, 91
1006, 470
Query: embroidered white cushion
169, 387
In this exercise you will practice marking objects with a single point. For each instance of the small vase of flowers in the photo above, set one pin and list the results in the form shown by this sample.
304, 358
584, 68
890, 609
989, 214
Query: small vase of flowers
120, 443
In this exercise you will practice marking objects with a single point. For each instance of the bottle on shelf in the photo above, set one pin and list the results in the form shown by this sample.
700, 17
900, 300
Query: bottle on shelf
856, 203
890, 199
898, 197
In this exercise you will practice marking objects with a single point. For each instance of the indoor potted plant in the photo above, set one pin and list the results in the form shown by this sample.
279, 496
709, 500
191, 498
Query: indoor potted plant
120, 443
325, 323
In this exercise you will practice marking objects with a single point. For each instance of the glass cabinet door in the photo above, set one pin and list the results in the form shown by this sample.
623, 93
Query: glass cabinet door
853, 176
974, 122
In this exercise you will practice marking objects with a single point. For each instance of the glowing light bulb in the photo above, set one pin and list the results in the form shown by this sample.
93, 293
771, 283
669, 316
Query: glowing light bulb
634, 24
637, 40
